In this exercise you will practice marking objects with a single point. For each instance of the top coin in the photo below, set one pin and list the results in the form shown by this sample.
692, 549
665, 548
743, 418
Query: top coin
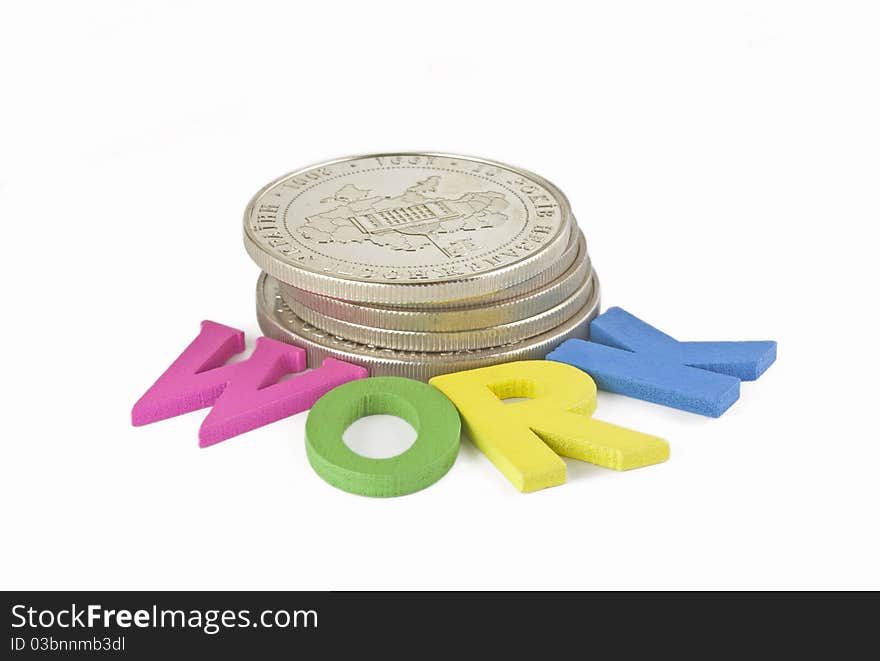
407, 228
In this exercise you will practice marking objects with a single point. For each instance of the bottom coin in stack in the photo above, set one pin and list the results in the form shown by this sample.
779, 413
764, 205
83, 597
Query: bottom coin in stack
279, 322
436, 341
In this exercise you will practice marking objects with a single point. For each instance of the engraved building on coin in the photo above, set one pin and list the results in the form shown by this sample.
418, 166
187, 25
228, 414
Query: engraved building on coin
415, 220
419, 264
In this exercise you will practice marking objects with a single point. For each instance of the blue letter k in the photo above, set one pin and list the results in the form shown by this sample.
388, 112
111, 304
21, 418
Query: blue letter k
627, 356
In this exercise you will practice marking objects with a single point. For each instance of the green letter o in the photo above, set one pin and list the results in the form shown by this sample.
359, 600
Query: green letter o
431, 414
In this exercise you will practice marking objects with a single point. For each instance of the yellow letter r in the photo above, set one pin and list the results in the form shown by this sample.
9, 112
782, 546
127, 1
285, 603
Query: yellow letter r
524, 438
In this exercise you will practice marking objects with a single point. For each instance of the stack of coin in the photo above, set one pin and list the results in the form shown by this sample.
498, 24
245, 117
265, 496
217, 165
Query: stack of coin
419, 264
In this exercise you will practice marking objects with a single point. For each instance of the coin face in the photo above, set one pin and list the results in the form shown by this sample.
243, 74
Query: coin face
406, 227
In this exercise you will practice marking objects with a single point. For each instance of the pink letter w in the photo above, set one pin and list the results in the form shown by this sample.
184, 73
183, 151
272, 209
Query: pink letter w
244, 395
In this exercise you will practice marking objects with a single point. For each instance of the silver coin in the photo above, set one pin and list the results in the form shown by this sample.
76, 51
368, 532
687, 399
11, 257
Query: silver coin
428, 318
407, 228
434, 341
278, 321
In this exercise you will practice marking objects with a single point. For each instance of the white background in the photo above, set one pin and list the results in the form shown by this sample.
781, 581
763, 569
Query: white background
723, 159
